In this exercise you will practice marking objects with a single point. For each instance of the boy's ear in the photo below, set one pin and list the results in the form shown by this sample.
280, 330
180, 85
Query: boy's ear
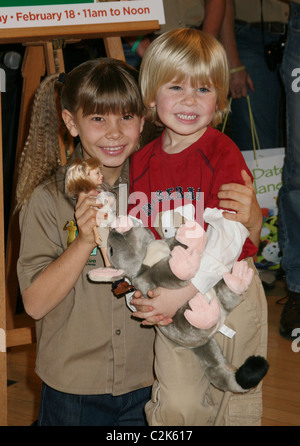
69, 122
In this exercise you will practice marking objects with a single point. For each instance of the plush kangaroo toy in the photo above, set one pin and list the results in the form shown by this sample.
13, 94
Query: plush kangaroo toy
148, 263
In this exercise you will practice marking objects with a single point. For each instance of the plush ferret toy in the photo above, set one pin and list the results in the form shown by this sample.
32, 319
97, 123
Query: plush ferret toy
148, 263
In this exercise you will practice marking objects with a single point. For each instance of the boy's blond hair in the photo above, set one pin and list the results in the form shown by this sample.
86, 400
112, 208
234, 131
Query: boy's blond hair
181, 54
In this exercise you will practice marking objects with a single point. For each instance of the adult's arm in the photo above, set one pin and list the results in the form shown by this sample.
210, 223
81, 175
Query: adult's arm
214, 16
240, 80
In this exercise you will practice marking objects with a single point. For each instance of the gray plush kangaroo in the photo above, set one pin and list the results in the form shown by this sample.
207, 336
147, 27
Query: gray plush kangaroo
134, 253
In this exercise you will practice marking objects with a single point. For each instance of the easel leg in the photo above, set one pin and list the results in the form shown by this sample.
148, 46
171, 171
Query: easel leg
33, 69
3, 366
114, 47
38, 59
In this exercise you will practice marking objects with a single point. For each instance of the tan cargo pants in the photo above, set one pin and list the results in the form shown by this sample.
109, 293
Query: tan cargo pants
182, 396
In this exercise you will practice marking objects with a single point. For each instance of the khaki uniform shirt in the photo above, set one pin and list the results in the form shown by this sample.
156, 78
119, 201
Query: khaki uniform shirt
89, 343
190, 13
273, 11
182, 13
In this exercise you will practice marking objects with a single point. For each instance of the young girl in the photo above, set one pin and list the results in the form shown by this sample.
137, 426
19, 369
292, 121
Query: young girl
95, 360
184, 83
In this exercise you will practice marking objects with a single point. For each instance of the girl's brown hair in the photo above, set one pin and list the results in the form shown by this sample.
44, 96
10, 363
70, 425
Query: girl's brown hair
99, 86
102, 86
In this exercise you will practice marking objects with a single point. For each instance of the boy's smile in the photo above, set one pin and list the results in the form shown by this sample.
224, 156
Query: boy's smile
189, 117
186, 118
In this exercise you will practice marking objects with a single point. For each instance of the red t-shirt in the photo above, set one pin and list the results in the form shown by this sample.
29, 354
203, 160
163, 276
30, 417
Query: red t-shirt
192, 176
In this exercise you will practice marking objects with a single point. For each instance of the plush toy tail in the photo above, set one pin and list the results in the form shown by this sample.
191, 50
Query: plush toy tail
225, 376
251, 372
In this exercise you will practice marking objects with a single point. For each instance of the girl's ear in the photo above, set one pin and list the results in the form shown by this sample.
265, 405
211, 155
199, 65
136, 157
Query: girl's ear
70, 123
142, 124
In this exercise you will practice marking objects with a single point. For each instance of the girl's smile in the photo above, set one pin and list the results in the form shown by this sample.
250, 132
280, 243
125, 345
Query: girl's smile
113, 151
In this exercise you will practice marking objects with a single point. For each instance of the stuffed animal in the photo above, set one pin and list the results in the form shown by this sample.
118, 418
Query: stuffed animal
134, 253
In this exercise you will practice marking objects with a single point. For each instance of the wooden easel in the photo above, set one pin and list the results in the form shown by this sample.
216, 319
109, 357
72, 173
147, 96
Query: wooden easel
3, 370
42, 55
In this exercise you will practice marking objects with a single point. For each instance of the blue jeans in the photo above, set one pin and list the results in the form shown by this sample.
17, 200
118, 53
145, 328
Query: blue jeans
289, 194
265, 100
64, 409
131, 58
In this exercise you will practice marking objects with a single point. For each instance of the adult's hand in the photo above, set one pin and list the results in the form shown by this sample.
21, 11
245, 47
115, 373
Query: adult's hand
239, 84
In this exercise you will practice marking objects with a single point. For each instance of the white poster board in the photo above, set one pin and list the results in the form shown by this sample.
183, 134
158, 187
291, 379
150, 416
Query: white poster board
38, 13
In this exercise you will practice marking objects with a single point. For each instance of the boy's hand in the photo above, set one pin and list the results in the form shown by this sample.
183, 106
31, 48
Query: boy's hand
242, 199
146, 309
162, 304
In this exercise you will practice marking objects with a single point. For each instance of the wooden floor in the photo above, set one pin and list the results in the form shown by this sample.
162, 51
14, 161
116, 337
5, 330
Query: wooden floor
281, 389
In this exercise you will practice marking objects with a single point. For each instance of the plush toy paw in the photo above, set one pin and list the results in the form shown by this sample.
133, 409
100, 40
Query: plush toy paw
105, 274
122, 224
240, 278
184, 263
192, 235
203, 314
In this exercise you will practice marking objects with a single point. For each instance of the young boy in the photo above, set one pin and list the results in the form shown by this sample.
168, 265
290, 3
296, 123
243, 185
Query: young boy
184, 83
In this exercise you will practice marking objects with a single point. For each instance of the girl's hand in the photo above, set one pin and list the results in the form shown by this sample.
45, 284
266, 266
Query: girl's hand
242, 199
85, 214
162, 304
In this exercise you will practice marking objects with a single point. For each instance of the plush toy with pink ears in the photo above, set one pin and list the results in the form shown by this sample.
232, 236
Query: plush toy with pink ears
185, 262
148, 263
